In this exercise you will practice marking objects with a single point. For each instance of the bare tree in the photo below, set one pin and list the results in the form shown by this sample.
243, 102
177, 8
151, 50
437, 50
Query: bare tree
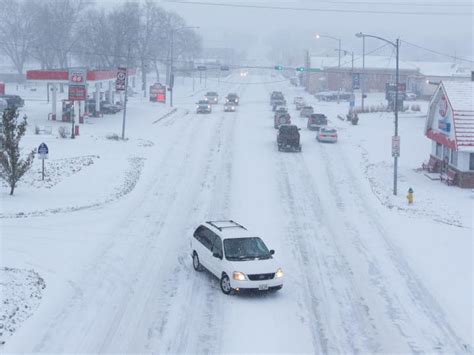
16, 32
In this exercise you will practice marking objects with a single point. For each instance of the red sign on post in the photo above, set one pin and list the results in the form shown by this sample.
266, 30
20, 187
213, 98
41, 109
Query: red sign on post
77, 93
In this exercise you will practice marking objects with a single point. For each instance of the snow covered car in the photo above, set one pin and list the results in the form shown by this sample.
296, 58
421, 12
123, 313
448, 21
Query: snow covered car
297, 99
229, 107
212, 97
306, 111
277, 98
327, 134
300, 105
316, 121
232, 98
288, 138
281, 118
203, 106
277, 104
236, 256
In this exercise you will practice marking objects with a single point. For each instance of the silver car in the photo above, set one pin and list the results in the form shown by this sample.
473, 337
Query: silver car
327, 134
229, 107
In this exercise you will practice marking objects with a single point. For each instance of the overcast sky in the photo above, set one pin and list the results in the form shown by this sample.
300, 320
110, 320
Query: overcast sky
442, 32
251, 28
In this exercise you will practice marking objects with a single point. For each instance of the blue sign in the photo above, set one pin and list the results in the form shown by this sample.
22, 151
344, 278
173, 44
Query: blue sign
356, 81
43, 149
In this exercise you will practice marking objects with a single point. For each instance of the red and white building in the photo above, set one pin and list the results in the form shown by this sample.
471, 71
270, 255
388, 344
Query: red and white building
450, 126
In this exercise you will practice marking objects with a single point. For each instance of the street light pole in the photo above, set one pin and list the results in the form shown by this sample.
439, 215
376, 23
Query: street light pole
363, 74
318, 36
396, 44
171, 81
395, 162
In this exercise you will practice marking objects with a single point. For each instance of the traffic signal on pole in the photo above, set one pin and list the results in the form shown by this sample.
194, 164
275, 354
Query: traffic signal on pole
300, 69
278, 67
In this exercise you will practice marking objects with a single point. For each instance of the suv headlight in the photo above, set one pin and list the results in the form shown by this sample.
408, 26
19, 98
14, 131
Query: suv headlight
239, 276
279, 273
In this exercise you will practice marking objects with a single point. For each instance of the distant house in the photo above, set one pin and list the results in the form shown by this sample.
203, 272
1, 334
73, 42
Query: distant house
450, 126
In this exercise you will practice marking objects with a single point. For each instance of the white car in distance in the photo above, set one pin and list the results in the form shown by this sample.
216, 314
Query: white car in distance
327, 134
237, 257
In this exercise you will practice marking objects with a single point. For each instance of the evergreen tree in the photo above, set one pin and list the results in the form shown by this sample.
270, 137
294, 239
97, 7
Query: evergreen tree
12, 168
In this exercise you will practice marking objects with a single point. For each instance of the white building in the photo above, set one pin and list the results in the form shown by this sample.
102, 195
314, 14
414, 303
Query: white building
450, 126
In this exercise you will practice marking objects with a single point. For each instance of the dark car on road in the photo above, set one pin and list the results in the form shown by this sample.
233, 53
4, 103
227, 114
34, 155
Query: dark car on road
316, 121
232, 98
288, 138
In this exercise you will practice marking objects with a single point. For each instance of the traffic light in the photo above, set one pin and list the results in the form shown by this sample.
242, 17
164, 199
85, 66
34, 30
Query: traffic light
300, 69
278, 67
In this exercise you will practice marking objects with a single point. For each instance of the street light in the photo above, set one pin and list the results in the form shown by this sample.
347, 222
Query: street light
396, 44
318, 36
171, 78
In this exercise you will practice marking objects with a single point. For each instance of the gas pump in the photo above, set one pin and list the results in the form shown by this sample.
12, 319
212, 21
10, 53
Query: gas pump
67, 110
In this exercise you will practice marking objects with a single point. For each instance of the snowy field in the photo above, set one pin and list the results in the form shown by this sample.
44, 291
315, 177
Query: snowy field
102, 245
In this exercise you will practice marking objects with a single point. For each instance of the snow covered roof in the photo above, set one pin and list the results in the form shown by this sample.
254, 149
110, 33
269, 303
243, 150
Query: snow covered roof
460, 94
443, 69
450, 119
461, 97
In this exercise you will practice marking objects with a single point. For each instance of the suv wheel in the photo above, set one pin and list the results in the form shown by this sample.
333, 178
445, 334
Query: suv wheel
225, 284
196, 263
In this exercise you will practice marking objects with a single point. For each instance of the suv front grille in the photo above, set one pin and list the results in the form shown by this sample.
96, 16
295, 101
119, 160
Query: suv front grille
259, 277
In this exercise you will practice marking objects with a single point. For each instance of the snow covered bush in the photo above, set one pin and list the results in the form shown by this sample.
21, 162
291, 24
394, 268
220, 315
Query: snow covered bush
62, 131
12, 168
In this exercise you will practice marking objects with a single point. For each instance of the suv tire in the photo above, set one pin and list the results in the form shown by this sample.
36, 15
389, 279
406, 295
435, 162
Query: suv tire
196, 263
225, 284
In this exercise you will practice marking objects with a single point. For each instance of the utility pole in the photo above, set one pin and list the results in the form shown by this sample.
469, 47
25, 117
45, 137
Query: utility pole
395, 162
126, 94
171, 68
395, 138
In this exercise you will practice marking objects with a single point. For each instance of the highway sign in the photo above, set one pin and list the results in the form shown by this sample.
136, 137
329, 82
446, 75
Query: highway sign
201, 68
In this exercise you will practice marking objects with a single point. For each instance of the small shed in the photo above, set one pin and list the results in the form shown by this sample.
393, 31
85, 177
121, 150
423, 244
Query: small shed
450, 126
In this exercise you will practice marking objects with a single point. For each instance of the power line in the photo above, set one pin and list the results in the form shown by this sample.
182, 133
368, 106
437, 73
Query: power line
306, 9
436, 52
392, 3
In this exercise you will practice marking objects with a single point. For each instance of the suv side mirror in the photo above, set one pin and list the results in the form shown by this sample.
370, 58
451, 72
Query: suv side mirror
272, 252
217, 255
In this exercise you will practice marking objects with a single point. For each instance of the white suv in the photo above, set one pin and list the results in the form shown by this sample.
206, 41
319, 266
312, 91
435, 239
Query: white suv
238, 258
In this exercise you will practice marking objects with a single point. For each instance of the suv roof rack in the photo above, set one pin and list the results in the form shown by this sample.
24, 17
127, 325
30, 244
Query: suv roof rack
233, 224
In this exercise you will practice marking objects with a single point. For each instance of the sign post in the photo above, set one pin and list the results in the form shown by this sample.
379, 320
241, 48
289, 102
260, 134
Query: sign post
396, 146
43, 154
121, 84
76, 90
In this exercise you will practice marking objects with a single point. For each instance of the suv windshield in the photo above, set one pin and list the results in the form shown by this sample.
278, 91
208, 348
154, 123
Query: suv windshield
288, 129
245, 249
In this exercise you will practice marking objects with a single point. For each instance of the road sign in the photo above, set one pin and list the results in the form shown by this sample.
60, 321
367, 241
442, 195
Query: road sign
395, 146
201, 68
355, 81
121, 81
43, 151
225, 68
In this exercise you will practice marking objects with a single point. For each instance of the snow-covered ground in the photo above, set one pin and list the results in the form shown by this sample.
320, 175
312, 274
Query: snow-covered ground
108, 232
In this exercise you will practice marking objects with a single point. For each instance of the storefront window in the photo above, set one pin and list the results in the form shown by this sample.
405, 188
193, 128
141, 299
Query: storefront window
454, 158
471, 161
438, 150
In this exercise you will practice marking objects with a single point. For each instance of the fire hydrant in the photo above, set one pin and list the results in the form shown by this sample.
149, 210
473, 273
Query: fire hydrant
410, 196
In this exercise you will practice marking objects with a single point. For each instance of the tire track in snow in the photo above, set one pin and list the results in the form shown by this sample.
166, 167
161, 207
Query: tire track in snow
414, 305
112, 265
206, 310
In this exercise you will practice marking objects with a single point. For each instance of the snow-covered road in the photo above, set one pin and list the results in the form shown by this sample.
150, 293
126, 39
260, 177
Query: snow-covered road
349, 287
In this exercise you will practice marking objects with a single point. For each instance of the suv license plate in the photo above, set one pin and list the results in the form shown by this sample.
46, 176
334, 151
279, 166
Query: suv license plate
263, 287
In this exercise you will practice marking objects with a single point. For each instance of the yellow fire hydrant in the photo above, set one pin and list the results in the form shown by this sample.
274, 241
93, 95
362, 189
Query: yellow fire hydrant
410, 196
